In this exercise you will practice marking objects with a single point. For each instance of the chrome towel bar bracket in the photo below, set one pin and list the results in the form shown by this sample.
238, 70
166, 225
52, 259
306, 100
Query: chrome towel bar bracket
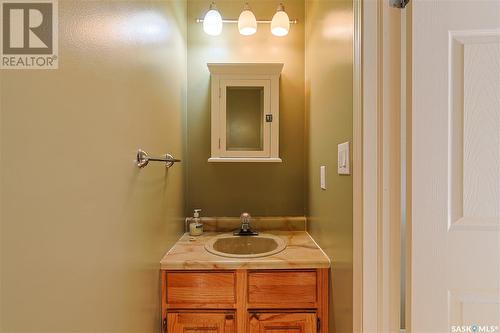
143, 159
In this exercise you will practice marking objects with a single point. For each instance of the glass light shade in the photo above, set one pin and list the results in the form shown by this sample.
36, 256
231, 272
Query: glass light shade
280, 24
212, 22
247, 23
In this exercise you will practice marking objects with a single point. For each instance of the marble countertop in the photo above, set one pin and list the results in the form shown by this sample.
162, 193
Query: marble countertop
301, 252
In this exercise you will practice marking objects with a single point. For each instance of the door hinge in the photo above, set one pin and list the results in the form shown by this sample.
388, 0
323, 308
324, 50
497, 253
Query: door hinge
164, 325
220, 92
219, 143
318, 324
398, 3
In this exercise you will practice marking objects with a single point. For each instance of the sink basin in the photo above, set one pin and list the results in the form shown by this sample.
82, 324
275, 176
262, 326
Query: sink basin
231, 246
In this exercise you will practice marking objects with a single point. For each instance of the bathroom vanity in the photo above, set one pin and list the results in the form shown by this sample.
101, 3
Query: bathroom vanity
285, 291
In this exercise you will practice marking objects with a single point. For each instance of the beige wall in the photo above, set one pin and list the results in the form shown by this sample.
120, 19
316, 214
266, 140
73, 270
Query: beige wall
227, 189
83, 229
329, 65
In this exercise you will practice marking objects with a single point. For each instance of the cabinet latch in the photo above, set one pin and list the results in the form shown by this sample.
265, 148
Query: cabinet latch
269, 118
318, 324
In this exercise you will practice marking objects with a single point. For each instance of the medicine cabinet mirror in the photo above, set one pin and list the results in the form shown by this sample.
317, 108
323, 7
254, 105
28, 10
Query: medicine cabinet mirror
245, 112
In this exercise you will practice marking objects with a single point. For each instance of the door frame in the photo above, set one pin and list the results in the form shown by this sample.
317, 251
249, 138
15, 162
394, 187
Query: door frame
357, 175
379, 80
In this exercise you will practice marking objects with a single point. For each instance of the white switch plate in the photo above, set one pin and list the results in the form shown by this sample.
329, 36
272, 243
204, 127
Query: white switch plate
343, 165
322, 172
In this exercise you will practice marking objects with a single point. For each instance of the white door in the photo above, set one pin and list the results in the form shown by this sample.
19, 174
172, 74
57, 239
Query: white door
456, 166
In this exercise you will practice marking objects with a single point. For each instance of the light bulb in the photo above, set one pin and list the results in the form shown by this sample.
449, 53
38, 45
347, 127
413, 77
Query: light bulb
212, 22
280, 24
247, 23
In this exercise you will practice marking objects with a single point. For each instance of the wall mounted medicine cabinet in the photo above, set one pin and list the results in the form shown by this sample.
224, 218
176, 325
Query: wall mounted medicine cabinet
245, 112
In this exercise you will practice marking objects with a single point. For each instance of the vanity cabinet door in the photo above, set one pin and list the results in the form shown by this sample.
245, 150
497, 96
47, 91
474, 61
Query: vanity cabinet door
200, 322
282, 322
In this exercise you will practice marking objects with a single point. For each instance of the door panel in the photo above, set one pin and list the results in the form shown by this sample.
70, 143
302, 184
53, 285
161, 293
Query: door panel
283, 323
456, 165
196, 322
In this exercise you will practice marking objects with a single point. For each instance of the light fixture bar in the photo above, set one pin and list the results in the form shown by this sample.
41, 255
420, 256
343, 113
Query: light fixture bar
198, 20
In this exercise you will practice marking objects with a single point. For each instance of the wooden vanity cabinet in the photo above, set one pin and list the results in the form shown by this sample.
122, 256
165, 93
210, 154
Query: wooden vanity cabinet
246, 301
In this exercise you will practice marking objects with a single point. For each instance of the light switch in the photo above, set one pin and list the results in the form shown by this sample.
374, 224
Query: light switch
343, 167
322, 172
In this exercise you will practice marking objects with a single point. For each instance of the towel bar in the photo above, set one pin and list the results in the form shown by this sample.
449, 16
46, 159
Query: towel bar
143, 159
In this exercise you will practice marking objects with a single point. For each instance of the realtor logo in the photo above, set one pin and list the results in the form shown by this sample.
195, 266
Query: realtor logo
29, 34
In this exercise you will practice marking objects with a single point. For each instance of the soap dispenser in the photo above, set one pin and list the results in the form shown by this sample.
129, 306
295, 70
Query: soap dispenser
196, 227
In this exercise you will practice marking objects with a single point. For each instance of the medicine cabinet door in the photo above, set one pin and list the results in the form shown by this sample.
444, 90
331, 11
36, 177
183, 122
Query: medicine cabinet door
245, 118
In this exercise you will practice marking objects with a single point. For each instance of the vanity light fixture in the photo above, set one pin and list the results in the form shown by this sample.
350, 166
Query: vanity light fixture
280, 24
247, 23
212, 22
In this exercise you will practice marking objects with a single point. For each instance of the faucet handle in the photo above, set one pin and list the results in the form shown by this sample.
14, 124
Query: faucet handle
245, 217
245, 229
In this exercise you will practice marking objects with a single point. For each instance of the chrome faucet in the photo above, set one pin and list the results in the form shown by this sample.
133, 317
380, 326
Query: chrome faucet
245, 229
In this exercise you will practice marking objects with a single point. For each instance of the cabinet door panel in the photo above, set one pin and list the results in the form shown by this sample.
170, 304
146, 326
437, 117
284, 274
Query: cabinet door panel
196, 322
201, 289
282, 289
282, 323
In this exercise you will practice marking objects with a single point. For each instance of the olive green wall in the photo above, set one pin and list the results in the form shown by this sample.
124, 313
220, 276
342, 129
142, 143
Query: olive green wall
227, 189
329, 95
82, 228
